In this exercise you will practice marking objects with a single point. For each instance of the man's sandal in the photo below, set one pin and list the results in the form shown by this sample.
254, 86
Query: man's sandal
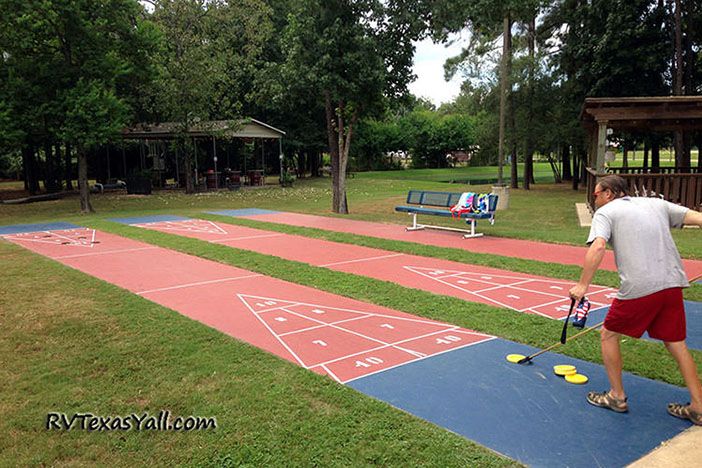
684, 412
606, 400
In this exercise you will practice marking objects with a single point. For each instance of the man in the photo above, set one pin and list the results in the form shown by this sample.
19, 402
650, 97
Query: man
650, 294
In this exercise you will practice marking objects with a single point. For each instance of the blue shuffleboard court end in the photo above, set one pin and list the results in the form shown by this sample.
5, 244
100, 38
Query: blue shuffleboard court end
148, 219
22, 228
526, 411
243, 212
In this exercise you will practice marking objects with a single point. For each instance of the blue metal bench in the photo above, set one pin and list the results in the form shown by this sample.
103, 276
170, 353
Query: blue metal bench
443, 201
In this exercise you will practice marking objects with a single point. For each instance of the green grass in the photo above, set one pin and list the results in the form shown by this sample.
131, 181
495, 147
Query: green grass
71, 342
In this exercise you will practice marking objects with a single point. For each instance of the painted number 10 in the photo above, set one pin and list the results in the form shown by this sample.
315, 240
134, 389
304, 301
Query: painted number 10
448, 339
367, 362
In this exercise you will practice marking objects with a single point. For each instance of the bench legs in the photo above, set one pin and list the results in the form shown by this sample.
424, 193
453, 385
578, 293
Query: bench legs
416, 227
472, 231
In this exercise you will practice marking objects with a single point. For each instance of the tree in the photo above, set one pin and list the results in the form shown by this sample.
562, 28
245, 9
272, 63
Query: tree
487, 21
352, 55
71, 62
206, 59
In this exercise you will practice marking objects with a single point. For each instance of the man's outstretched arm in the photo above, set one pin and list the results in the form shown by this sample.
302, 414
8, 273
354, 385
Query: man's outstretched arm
593, 258
693, 218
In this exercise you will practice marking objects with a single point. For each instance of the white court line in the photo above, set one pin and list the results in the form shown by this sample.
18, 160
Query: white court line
544, 304
467, 291
20, 237
479, 275
374, 314
357, 333
201, 283
320, 326
362, 260
72, 241
136, 249
328, 371
271, 309
556, 302
245, 238
191, 225
391, 345
294, 304
292, 353
420, 359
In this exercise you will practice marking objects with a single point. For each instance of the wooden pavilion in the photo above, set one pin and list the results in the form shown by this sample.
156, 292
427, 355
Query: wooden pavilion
656, 114
247, 129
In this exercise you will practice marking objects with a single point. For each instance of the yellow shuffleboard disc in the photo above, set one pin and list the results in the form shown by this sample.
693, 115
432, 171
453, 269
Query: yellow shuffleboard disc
576, 379
564, 369
515, 358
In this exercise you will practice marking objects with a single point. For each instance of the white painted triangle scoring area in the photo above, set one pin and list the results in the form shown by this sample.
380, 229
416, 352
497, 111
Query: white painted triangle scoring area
191, 225
258, 305
441, 273
79, 237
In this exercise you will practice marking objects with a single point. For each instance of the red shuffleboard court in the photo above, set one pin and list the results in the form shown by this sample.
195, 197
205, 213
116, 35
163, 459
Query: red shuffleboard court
525, 293
328, 334
532, 250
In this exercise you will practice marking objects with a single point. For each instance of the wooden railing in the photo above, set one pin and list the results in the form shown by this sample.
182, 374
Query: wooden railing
683, 189
654, 170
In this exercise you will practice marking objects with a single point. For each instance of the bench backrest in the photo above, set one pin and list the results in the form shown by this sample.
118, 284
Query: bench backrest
445, 199
420, 197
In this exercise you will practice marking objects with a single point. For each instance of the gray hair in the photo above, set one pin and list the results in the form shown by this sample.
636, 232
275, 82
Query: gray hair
615, 184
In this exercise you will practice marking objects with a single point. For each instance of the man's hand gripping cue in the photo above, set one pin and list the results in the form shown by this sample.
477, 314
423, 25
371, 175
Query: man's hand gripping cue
593, 258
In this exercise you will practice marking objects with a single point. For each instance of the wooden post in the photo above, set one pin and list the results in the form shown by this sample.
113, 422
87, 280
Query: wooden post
601, 145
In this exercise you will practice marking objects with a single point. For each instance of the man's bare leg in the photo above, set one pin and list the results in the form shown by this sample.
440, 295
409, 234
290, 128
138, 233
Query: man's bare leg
612, 357
688, 369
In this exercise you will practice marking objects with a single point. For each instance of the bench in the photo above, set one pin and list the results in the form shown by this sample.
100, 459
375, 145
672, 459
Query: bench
442, 202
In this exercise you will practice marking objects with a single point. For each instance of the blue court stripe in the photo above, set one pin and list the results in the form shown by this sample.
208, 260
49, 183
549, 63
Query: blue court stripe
693, 316
21, 228
243, 212
148, 219
525, 411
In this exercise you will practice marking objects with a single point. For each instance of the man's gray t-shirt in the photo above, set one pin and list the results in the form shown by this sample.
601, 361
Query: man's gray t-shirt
638, 229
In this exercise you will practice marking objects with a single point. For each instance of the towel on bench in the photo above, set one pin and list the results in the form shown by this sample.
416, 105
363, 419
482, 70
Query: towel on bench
470, 202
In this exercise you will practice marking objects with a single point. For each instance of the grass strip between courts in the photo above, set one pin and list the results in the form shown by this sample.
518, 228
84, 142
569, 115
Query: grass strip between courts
72, 343
533, 267
645, 358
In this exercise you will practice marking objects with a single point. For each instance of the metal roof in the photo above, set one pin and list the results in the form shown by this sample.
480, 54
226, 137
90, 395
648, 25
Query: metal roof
245, 128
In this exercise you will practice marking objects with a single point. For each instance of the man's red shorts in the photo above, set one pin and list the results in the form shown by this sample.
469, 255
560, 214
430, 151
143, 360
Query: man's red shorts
661, 314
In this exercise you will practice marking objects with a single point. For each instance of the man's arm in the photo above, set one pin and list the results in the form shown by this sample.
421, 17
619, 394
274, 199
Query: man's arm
593, 258
693, 218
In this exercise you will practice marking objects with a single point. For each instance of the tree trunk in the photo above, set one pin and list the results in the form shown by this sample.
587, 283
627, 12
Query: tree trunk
504, 89
529, 150
314, 163
52, 182
567, 173
332, 140
30, 165
68, 168
645, 156
513, 173
576, 169
678, 140
625, 157
85, 205
189, 179
655, 155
